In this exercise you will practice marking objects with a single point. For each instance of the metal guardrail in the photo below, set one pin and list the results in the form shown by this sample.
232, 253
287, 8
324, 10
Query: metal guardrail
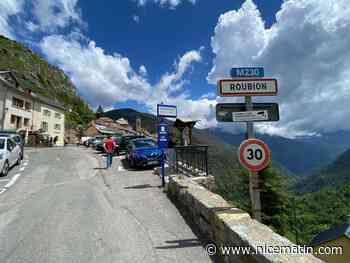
193, 159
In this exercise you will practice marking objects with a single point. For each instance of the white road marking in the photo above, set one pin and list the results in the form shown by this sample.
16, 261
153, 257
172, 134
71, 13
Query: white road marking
3, 191
22, 169
25, 164
12, 181
121, 169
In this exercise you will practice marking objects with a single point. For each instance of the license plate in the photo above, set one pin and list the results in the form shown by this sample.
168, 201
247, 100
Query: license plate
152, 162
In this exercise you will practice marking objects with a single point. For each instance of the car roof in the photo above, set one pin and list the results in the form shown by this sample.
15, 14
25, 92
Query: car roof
8, 134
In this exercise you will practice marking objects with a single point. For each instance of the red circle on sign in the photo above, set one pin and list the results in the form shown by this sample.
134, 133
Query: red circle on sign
262, 165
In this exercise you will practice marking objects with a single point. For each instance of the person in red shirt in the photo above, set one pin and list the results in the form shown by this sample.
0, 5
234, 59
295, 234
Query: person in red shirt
109, 146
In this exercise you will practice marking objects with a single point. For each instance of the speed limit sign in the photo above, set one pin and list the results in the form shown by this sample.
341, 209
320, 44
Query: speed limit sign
254, 155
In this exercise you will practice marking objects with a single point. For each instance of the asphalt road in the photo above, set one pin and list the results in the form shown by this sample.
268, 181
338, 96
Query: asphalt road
65, 208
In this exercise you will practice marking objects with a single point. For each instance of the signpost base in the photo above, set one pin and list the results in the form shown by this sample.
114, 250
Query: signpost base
163, 169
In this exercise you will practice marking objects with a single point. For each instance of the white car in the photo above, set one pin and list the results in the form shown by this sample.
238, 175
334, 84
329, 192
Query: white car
10, 154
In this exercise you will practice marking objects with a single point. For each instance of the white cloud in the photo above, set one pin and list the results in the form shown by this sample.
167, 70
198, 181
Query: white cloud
54, 14
9, 8
102, 79
105, 79
168, 3
136, 18
307, 49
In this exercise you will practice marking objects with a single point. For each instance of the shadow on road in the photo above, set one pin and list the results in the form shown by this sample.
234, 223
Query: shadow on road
142, 186
126, 166
182, 243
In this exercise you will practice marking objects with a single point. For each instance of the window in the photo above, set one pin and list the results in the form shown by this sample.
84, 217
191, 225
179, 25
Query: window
18, 103
16, 121
10, 145
58, 127
2, 144
47, 113
57, 115
13, 119
26, 122
28, 106
45, 126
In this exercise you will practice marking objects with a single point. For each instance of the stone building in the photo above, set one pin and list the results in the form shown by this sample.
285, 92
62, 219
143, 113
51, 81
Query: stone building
23, 111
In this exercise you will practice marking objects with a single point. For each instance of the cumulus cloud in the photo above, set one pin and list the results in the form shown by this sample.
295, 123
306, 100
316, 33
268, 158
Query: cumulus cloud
307, 50
9, 8
104, 79
136, 18
55, 14
101, 78
164, 3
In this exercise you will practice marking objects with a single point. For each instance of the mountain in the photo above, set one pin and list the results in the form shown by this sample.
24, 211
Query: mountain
34, 73
148, 121
335, 175
300, 155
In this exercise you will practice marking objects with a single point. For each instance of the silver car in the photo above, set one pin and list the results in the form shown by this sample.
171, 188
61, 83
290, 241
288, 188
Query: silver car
10, 154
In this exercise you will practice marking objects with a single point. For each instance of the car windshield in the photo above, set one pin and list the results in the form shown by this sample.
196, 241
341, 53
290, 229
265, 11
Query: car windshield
144, 143
2, 144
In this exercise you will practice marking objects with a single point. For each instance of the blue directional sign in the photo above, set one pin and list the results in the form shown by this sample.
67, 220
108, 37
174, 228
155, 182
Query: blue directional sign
247, 72
166, 111
163, 135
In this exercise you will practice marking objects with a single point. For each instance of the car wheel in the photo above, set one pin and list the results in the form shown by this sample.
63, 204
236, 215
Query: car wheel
5, 169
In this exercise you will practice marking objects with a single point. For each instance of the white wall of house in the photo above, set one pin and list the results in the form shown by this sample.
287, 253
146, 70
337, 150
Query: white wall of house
23, 112
18, 116
51, 120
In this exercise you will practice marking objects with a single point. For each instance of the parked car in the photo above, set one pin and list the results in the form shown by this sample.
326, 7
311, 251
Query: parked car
17, 138
143, 152
10, 154
124, 141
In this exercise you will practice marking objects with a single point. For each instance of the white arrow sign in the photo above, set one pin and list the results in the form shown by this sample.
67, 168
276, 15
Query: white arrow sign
244, 116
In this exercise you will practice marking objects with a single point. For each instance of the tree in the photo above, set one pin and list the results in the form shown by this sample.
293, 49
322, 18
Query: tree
99, 112
274, 199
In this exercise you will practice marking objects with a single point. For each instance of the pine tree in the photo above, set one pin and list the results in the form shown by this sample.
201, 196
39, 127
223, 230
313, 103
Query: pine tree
99, 112
274, 200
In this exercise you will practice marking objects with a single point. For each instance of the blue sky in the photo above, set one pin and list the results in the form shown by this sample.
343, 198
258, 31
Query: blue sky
138, 53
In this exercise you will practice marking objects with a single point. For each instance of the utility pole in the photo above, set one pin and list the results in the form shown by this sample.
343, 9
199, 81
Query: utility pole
254, 184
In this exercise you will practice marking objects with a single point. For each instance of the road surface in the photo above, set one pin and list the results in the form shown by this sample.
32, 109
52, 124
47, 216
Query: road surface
63, 208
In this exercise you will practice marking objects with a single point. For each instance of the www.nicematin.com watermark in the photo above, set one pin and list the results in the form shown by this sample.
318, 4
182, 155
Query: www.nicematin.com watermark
214, 250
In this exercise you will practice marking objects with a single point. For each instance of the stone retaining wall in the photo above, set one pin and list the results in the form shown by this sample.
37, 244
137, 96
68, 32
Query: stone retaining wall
224, 224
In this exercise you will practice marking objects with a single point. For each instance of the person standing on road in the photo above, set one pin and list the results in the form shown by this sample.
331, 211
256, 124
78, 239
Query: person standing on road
109, 146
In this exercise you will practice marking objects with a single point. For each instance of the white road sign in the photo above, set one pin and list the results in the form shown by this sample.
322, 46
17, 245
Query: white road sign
254, 155
248, 87
244, 116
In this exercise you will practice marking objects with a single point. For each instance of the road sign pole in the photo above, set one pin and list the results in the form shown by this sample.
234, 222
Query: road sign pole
162, 160
254, 185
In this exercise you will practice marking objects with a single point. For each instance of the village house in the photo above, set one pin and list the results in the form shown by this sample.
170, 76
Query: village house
23, 111
107, 126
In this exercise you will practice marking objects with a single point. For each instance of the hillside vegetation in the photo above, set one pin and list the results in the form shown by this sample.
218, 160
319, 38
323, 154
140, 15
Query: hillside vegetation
34, 73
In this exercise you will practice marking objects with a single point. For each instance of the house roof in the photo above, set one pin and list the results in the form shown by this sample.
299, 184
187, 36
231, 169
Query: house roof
27, 92
122, 121
331, 234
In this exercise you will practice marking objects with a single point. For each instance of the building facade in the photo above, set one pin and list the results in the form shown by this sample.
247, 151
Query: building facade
23, 111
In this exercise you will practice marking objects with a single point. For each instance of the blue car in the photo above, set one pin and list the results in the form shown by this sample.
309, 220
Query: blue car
143, 152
